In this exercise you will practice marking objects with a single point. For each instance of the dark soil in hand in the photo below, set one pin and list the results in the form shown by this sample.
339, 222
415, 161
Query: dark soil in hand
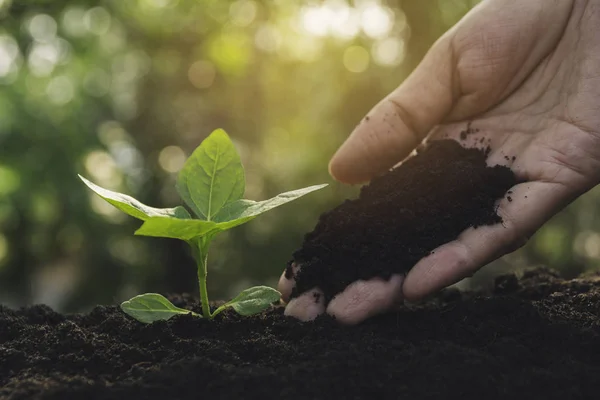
535, 338
401, 217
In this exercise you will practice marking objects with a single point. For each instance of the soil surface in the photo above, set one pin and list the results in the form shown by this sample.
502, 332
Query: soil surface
400, 217
537, 337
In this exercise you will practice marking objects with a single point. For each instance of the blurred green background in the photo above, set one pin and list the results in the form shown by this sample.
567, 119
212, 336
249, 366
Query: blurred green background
122, 90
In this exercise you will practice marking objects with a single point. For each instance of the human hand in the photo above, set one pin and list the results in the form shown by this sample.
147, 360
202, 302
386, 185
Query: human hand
527, 74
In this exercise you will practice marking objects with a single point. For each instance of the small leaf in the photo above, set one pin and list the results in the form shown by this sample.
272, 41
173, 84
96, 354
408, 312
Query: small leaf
184, 229
212, 177
247, 208
251, 301
152, 307
133, 207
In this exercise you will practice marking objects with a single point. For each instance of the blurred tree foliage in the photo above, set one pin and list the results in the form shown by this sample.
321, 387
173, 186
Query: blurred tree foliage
120, 91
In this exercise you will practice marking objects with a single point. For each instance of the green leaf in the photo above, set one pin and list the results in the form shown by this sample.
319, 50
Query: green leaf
133, 207
251, 301
247, 208
212, 177
152, 307
240, 212
184, 229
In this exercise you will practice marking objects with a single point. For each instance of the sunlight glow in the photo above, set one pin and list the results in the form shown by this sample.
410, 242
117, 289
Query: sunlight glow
171, 159
104, 209
110, 132
315, 20
344, 22
42, 58
356, 59
42, 28
389, 51
60, 90
127, 157
592, 245
97, 20
336, 18
267, 38
9, 53
72, 21
376, 21
242, 12
587, 244
103, 169
161, 3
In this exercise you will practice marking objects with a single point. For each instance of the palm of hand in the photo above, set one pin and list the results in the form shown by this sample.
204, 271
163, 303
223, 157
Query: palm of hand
542, 119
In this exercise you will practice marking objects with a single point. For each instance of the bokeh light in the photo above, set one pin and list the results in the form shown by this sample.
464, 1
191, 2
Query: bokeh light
356, 59
389, 52
171, 158
202, 74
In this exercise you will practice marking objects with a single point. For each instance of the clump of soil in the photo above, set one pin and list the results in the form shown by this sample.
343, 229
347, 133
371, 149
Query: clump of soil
535, 337
401, 217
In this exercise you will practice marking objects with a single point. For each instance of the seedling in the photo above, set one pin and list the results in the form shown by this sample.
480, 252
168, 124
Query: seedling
212, 184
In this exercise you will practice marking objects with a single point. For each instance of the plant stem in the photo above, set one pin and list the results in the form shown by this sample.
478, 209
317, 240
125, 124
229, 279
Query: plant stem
201, 255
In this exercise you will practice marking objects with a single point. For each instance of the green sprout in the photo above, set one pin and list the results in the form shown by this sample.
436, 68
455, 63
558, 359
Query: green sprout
212, 184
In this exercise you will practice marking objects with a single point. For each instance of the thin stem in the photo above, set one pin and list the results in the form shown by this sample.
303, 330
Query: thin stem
201, 255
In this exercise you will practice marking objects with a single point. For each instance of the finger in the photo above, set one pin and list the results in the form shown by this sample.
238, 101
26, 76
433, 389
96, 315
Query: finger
471, 68
287, 281
307, 306
364, 299
530, 205
395, 126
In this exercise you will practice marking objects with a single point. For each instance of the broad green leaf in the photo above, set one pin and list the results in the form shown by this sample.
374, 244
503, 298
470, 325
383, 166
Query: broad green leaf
184, 229
224, 226
241, 209
133, 207
212, 177
233, 215
152, 307
251, 301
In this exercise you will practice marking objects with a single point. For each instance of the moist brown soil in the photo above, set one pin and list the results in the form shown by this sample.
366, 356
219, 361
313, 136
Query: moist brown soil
537, 337
401, 217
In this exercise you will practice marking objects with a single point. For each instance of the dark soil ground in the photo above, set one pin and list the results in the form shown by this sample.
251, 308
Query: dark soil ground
401, 216
537, 337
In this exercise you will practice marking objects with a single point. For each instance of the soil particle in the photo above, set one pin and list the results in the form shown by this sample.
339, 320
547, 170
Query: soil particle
532, 337
401, 217
317, 297
468, 131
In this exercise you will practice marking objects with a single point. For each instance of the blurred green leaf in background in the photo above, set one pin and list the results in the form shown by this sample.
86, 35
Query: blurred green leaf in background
123, 91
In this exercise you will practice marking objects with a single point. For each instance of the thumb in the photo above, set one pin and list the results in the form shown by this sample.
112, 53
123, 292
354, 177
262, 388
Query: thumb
395, 126
471, 68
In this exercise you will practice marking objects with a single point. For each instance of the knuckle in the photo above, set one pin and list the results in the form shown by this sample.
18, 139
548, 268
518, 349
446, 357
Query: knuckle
401, 112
